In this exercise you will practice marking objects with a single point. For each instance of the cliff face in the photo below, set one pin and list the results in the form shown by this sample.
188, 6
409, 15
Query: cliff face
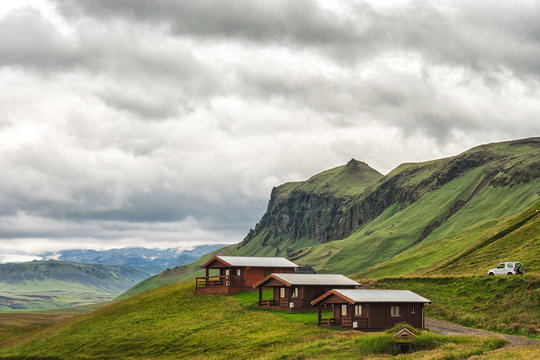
311, 209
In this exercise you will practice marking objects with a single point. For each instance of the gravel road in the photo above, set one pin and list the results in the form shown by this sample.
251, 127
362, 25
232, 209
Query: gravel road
448, 328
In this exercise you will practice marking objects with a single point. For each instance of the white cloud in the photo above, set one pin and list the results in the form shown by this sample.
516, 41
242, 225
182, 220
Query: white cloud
128, 125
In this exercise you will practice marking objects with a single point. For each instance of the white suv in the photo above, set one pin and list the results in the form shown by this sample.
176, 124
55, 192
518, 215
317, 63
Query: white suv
507, 268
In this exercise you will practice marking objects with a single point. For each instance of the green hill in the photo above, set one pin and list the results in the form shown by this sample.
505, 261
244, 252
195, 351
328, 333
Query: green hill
425, 202
414, 220
56, 284
472, 251
171, 322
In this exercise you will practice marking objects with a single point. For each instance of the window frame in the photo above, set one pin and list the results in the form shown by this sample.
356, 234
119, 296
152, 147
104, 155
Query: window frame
282, 293
356, 312
343, 307
393, 313
413, 309
295, 292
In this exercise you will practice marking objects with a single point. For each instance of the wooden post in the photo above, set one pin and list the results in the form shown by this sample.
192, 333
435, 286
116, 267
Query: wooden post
260, 295
207, 274
319, 321
289, 289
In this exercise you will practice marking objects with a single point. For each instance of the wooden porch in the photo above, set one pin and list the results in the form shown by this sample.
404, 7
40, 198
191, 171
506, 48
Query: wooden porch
220, 284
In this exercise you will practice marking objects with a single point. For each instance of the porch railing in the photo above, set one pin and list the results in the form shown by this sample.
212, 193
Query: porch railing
346, 322
267, 303
215, 281
327, 322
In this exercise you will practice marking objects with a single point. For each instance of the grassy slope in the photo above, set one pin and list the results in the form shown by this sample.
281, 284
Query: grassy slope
395, 231
172, 322
346, 180
472, 251
505, 304
54, 284
509, 167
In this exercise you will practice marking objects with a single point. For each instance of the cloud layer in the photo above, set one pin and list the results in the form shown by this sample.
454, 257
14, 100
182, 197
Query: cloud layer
167, 123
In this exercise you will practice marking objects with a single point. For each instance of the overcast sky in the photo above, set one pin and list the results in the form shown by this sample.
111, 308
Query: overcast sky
167, 123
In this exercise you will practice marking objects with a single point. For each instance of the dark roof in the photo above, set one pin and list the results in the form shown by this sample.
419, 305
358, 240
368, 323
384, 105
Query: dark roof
310, 279
374, 296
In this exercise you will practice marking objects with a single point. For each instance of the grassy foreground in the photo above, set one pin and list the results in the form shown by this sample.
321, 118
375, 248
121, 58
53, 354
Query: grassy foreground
172, 322
509, 304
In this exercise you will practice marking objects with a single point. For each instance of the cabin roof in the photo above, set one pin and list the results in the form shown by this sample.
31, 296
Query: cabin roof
310, 279
374, 296
253, 261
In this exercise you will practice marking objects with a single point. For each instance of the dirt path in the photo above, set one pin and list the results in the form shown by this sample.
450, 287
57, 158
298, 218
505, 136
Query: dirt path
448, 328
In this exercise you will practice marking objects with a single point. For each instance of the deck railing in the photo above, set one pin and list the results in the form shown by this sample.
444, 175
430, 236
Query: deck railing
215, 281
327, 322
284, 303
267, 303
346, 322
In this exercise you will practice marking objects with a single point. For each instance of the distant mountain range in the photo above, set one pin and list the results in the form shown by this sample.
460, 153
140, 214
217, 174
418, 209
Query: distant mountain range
150, 260
79, 277
53, 284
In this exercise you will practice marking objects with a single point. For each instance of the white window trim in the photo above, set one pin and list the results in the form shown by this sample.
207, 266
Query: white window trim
392, 307
361, 310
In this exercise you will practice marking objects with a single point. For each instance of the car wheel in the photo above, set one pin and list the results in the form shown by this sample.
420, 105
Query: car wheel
491, 274
509, 273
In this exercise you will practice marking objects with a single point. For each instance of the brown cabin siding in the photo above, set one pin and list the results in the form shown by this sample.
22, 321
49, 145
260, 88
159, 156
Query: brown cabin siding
306, 294
376, 316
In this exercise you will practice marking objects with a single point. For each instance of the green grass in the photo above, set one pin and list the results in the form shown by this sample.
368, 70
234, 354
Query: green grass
471, 252
172, 322
341, 181
504, 304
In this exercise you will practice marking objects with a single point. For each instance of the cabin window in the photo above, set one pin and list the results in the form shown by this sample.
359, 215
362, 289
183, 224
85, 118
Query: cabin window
413, 310
227, 272
357, 310
238, 272
282, 293
294, 292
343, 310
395, 310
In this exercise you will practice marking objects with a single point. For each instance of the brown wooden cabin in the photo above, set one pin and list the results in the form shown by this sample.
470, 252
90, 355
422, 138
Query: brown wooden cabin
239, 273
295, 292
371, 309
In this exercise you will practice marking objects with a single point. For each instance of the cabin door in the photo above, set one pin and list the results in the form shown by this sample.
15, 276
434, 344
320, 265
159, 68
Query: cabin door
344, 314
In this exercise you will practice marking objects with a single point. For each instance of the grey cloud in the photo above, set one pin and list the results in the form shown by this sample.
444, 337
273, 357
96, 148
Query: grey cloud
484, 36
245, 19
26, 39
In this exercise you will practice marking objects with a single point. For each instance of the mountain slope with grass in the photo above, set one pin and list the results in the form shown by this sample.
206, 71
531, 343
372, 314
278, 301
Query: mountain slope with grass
54, 284
172, 322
